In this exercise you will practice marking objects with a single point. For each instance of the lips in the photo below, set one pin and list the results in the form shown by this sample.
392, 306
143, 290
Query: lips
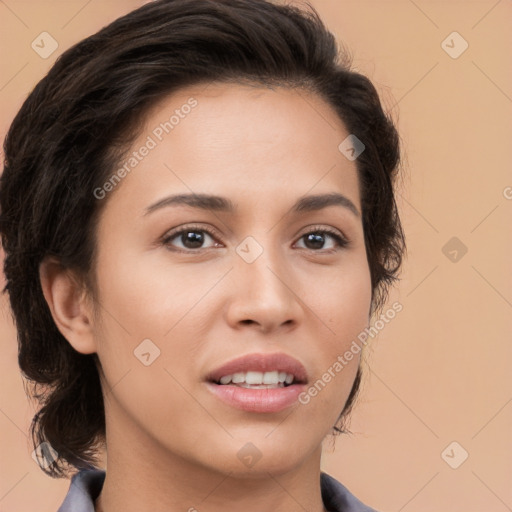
261, 363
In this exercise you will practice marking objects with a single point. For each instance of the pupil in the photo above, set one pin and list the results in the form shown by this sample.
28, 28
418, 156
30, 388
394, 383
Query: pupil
317, 239
192, 237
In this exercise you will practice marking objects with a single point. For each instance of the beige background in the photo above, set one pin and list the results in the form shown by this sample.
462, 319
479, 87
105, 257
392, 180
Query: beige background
440, 371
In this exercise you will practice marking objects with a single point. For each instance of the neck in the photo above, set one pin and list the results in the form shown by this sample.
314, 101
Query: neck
147, 477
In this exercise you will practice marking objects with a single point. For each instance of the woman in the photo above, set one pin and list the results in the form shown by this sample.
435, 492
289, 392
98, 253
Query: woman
199, 222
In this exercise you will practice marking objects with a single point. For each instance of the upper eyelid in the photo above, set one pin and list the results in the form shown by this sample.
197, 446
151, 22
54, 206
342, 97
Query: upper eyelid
193, 227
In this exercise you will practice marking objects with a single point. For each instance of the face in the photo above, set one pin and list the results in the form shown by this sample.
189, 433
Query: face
185, 289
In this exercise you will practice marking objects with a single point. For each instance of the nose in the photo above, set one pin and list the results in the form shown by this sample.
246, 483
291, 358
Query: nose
265, 294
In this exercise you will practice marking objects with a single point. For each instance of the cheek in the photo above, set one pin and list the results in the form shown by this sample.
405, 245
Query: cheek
342, 300
144, 343
147, 297
343, 309
150, 315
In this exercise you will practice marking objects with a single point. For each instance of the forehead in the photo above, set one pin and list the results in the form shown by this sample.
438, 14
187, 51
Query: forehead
240, 141
245, 119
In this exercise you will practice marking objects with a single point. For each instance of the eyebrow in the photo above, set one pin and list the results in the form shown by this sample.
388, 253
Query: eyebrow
222, 204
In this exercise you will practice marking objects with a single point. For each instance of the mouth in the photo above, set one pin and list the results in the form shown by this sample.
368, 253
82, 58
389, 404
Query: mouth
260, 371
259, 382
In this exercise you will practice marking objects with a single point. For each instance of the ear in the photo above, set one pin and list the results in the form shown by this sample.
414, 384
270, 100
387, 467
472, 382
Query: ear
69, 305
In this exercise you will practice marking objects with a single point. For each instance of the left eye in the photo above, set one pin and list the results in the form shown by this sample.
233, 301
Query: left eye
316, 238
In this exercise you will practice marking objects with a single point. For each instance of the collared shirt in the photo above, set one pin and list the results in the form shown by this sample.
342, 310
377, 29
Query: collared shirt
86, 486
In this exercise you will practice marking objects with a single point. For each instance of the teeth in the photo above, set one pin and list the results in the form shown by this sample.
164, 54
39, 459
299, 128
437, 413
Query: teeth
247, 379
260, 386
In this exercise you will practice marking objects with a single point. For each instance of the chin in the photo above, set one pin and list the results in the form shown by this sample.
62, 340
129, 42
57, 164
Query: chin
256, 459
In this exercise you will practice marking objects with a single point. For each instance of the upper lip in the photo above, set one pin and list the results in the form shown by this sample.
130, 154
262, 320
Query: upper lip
261, 363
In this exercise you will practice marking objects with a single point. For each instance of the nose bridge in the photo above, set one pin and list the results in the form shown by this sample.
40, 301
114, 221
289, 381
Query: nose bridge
263, 292
260, 263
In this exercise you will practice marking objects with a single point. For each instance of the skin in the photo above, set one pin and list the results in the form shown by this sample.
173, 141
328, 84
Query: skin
171, 444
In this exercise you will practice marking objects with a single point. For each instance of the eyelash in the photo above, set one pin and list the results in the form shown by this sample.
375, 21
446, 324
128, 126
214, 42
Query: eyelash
341, 241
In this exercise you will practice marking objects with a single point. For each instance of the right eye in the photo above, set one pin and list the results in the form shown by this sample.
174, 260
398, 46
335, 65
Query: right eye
191, 237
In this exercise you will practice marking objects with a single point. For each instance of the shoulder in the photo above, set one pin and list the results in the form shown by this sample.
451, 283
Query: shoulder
337, 498
84, 488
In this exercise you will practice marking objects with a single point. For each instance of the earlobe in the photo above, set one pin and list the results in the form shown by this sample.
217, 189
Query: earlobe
70, 310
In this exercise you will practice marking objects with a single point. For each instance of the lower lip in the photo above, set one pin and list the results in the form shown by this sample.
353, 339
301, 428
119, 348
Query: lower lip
257, 400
